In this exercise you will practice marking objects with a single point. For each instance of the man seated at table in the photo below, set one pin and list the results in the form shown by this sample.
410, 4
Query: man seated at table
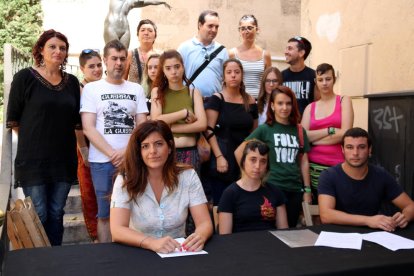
351, 193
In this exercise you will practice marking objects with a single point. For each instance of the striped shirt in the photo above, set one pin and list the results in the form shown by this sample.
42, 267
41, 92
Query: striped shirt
253, 71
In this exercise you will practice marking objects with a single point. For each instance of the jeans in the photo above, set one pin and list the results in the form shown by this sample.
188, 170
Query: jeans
49, 199
102, 178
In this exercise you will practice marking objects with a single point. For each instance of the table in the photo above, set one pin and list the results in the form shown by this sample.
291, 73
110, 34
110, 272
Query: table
250, 253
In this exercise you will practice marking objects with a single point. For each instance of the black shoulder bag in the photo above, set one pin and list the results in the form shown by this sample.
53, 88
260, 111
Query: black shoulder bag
138, 65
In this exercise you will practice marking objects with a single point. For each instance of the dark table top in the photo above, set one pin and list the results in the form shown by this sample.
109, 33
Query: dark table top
250, 253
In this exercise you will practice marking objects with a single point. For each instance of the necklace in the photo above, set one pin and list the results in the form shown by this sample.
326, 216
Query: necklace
143, 55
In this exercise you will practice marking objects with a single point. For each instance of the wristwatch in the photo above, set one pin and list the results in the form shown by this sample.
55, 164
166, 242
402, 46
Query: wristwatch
331, 130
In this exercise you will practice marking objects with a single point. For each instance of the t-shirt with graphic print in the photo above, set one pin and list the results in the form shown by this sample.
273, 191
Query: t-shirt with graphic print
302, 84
115, 107
252, 210
283, 142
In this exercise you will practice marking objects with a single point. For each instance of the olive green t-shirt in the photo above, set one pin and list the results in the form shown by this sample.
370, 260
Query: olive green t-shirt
176, 100
283, 142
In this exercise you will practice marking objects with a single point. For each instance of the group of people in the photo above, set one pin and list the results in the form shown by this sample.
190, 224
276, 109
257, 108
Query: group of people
276, 138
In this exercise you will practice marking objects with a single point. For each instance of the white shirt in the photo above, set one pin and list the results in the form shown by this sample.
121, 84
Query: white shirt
169, 216
115, 107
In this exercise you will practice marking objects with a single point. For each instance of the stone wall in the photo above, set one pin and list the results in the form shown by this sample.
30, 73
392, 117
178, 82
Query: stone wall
368, 42
82, 21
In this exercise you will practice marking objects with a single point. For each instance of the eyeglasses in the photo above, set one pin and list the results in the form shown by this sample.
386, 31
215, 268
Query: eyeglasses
271, 81
88, 51
206, 55
246, 28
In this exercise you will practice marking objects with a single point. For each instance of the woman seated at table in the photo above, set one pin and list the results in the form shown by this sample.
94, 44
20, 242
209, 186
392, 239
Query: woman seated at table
249, 204
156, 193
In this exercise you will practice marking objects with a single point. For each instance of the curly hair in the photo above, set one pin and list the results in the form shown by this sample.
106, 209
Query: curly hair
40, 43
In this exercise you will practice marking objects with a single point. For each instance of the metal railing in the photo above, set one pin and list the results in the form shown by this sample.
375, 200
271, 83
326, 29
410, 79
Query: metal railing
14, 60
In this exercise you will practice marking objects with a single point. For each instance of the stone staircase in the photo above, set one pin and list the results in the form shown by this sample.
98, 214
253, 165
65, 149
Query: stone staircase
73, 221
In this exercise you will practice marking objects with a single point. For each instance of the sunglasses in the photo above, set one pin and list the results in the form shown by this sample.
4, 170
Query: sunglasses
206, 56
88, 51
246, 28
299, 39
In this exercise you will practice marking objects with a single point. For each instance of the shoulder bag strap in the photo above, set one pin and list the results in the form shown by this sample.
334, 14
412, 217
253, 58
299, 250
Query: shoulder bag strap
300, 135
138, 64
206, 62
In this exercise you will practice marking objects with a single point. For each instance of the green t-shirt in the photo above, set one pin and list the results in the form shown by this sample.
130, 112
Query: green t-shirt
176, 100
283, 142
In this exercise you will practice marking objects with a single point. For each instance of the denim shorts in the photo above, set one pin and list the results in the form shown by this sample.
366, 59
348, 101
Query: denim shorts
102, 178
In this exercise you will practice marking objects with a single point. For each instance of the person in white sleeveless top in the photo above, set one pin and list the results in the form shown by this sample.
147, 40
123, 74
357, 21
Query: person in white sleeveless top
253, 58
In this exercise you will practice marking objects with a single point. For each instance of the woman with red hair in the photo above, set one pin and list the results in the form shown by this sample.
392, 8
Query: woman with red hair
43, 109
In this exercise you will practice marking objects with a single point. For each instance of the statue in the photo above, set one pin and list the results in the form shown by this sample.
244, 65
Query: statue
116, 22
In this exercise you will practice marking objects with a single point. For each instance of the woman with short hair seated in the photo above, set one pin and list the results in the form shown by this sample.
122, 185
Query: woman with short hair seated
249, 204
156, 193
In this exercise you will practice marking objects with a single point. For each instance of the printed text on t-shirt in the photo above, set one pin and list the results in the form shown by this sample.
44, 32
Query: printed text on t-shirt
286, 147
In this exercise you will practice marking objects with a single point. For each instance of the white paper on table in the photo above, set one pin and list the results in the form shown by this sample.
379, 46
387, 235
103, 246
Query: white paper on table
178, 253
388, 240
340, 240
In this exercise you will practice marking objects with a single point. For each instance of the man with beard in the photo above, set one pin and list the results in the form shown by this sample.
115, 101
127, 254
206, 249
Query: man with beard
351, 193
299, 77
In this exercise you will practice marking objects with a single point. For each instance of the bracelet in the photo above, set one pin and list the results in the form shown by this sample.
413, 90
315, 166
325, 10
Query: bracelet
331, 130
307, 189
140, 243
220, 155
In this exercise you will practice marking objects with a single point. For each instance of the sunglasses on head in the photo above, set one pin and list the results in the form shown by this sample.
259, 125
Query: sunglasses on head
88, 51
299, 39
246, 28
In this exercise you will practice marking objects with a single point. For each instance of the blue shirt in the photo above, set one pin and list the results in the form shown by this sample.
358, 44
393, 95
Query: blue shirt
359, 197
210, 79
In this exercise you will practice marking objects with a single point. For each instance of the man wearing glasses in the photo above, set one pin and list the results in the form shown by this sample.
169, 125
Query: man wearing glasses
299, 77
110, 109
200, 49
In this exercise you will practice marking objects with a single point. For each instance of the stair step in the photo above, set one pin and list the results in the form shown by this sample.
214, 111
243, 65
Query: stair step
75, 229
74, 201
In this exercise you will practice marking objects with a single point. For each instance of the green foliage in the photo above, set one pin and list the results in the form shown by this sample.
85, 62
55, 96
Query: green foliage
20, 24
